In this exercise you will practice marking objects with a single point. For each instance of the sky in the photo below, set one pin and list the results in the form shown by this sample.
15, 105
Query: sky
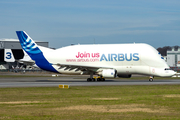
66, 22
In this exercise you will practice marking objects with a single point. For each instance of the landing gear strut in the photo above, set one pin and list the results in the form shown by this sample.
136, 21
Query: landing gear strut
91, 77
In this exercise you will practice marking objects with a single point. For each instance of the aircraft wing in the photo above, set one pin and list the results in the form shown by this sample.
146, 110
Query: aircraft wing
81, 67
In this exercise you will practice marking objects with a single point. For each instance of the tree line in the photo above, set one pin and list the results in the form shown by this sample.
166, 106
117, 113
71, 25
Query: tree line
163, 50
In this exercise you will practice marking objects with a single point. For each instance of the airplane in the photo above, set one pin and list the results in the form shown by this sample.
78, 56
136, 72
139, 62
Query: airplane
25, 61
104, 60
9, 58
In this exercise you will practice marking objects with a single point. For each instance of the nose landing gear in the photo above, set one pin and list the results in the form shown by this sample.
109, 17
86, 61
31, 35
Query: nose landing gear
151, 78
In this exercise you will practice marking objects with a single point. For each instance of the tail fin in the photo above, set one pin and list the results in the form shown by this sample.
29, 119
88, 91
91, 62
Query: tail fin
27, 43
34, 51
8, 55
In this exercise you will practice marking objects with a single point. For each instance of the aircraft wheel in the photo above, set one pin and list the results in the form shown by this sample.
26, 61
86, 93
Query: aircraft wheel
150, 79
98, 79
103, 79
89, 79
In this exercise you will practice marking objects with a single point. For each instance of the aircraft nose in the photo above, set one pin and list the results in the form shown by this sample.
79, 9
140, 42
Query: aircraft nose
173, 72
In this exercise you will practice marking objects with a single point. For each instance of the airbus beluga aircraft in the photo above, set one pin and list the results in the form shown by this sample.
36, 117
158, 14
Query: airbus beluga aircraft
104, 60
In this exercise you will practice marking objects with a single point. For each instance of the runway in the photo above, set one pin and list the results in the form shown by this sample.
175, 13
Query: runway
77, 81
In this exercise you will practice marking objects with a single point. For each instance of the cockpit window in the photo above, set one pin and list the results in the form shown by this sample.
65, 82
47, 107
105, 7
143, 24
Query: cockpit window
167, 69
161, 56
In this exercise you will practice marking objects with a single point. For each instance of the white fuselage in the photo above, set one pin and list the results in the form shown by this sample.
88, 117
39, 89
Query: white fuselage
125, 58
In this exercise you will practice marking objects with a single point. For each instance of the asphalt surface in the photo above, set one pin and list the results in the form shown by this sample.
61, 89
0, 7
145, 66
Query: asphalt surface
50, 81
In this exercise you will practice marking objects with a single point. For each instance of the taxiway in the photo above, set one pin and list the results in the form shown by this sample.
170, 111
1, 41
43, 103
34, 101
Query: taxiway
76, 81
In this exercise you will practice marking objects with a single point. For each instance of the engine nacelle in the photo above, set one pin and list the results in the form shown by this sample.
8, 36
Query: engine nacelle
111, 73
124, 76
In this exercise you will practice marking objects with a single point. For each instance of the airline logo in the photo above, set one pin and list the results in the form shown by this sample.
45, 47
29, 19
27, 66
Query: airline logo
34, 52
27, 44
120, 57
97, 57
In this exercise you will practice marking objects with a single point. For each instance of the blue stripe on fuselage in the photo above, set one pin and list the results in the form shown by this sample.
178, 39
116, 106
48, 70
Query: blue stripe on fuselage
41, 62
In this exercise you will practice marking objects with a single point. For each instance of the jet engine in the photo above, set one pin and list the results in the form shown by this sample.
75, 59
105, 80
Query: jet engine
111, 73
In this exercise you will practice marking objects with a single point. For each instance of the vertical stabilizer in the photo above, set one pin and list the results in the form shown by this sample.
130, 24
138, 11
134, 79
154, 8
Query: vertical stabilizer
8, 55
28, 45
33, 50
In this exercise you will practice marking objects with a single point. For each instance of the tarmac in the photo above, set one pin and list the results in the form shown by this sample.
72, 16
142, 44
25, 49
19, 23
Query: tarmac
46, 79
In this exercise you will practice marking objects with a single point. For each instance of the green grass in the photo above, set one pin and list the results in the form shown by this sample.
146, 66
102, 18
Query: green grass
92, 102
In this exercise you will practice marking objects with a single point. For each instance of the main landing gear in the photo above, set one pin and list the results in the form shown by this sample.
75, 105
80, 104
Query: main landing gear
100, 79
94, 79
151, 78
91, 79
